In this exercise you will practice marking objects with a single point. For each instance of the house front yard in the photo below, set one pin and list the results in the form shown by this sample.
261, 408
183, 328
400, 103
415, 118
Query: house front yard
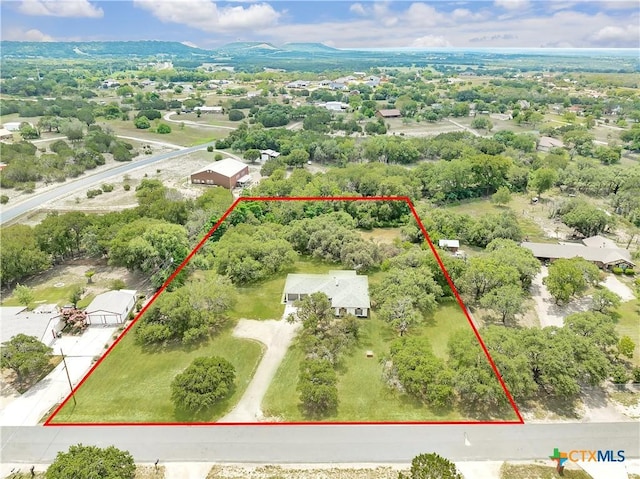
132, 384
363, 395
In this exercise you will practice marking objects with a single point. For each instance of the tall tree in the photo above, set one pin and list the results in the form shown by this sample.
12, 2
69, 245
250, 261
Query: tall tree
92, 462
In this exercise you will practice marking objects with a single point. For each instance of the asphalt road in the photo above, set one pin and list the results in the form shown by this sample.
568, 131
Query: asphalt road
68, 187
322, 444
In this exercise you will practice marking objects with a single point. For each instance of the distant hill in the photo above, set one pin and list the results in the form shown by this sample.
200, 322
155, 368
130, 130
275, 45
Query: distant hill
246, 46
141, 49
309, 47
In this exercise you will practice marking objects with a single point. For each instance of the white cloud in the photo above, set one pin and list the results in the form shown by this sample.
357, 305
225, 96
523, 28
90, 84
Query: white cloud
512, 4
466, 15
358, 9
618, 35
430, 41
20, 35
60, 8
207, 16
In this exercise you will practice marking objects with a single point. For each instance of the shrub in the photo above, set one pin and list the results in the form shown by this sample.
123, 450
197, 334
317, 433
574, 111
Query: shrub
118, 284
127, 187
210, 149
629, 271
616, 270
107, 187
635, 373
619, 374
93, 193
218, 157
4, 199
163, 129
236, 115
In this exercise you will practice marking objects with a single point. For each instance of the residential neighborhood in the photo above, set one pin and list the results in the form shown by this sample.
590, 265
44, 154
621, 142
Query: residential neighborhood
359, 247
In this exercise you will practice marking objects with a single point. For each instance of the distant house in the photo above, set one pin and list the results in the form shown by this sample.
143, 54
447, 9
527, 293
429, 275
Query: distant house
227, 173
546, 143
268, 154
253, 94
208, 109
449, 245
335, 106
390, 113
347, 291
13, 126
112, 307
605, 258
298, 84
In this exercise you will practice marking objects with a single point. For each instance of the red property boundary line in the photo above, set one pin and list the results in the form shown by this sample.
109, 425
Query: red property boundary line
405, 199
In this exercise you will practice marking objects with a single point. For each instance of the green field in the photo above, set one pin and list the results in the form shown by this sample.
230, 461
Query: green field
629, 325
133, 384
51, 295
362, 393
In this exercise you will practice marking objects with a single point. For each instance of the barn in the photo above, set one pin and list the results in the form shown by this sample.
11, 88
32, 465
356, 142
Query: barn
227, 173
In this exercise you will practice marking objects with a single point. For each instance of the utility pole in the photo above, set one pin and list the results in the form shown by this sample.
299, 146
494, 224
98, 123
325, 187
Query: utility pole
66, 369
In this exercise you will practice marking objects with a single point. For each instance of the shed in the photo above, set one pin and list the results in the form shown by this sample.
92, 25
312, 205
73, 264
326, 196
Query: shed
449, 244
389, 113
224, 173
112, 307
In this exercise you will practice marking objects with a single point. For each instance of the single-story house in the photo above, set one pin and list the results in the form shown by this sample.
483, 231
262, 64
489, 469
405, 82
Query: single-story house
605, 258
227, 173
112, 307
43, 323
208, 109
449, 244
347, 291
598, 241
13, 126
335, 106
389, 113
268, 154
546, 143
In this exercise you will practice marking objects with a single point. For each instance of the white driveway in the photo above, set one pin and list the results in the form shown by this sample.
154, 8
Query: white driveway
30, 407
614, 285
277, 337
549, 313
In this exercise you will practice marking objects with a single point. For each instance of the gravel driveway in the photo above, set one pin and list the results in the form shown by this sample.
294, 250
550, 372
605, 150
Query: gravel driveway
277, 337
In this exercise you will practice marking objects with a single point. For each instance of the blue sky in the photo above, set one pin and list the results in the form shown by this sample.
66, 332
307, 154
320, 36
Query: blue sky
342, 24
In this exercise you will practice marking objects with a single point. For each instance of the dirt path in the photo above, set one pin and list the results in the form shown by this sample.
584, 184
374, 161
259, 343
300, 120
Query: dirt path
277, 337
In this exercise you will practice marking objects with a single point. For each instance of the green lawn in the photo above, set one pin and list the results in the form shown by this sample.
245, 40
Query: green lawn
50, 294
629, 325
187, 136
133, 385
483, 206
362, 394
266, 296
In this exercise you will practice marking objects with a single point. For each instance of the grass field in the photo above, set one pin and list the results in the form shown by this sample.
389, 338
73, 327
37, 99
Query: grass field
186, 136
362, 393
479, 207
133, 384
628, 325
51, 295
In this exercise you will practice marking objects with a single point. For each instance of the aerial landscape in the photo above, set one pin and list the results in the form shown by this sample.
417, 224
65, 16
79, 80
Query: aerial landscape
319, 239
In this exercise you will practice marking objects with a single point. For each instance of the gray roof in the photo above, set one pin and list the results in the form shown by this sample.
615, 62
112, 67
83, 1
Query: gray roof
345, 288
112, 302
599, 242
16, 320
602, 255
227, 167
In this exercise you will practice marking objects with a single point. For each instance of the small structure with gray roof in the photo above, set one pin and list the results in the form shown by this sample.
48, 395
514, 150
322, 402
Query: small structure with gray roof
347, 291
112, 307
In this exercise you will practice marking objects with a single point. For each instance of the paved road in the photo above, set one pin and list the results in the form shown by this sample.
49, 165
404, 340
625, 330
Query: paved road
85, 181
322, 444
